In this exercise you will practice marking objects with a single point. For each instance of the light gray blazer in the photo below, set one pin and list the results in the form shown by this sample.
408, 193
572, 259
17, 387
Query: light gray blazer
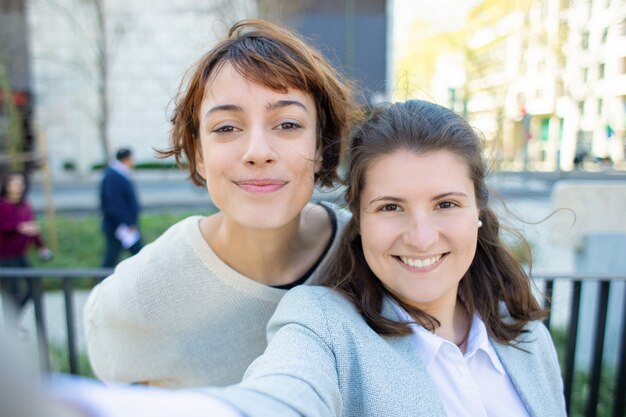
324, 360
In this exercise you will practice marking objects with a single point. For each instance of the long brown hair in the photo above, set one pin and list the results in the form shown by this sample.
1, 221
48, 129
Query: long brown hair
494, 277
275, 57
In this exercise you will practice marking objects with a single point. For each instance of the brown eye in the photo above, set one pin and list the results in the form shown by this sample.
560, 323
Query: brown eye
446, 205
288, 126
224, 129
390, 207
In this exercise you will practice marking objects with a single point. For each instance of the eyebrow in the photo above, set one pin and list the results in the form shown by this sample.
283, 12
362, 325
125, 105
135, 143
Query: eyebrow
270, 106
223, 107
387, 198
401, 200
285, 103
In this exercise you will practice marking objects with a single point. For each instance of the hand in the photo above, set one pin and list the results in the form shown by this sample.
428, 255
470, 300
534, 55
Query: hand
28, 228
45, 254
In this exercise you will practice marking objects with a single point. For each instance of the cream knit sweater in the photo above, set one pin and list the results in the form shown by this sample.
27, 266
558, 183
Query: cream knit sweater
177, 316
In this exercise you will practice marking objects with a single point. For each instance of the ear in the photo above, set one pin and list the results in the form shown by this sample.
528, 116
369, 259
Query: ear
318, 161
199, 159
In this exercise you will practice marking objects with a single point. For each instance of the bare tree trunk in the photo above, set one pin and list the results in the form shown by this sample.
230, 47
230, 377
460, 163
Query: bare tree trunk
102, 66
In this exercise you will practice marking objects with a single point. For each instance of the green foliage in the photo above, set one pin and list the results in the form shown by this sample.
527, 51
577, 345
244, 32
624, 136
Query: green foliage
522, 251
151, 165
60, 362
69, 165
580, 387
81, 242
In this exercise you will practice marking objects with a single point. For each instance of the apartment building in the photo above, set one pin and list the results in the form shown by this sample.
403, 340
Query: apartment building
546, 81
112, 67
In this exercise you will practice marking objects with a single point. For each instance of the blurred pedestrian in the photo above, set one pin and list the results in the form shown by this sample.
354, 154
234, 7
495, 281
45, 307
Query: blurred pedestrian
120, 209
18, 231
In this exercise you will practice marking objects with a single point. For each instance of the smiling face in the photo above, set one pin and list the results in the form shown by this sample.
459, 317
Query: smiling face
258, 149
418, 224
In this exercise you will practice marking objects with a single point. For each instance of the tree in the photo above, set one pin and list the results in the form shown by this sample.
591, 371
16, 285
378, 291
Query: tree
99, 40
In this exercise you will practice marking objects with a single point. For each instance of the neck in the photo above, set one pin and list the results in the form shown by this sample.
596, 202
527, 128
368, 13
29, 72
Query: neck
455, 325
13, 199
272, 257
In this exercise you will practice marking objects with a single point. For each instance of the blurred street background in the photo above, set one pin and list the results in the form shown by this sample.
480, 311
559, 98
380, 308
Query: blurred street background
544, 82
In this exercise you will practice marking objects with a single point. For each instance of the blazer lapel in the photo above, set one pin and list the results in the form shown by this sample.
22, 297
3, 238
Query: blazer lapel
428, 400
516, 362
402, 345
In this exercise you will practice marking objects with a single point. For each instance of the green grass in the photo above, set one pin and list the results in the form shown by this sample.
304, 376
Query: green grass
59, 361
80, 242
580, 386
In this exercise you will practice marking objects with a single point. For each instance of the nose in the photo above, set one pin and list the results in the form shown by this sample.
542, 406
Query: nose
259, 150
421, 232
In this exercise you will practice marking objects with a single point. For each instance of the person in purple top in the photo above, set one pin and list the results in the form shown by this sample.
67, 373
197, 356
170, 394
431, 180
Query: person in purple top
120, 209
18, 231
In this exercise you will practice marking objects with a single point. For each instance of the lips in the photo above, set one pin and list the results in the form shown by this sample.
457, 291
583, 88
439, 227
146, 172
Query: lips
262, 185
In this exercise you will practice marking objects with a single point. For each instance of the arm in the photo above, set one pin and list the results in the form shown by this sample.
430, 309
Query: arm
76, 397
120, 341
297, 374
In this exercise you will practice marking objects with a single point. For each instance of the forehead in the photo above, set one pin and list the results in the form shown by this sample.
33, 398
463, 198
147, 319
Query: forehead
228, 83
405, 171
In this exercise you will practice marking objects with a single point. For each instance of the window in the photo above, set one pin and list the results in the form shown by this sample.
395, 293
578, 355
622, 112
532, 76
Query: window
605, 35
585, 40
600, 107
600, 71
585, 74
581, 108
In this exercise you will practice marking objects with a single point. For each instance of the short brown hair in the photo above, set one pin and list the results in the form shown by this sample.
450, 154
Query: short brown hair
275, 57
494, 275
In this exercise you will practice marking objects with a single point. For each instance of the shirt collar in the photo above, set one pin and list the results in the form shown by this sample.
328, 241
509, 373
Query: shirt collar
478, 339
120, 167
428, 344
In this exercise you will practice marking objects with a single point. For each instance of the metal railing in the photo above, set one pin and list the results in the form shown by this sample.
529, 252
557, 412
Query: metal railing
607, 284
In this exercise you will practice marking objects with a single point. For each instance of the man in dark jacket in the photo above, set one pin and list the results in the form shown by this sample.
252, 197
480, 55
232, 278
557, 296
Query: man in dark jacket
120, 209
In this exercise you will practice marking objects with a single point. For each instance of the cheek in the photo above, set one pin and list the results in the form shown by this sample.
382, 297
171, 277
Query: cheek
377, 239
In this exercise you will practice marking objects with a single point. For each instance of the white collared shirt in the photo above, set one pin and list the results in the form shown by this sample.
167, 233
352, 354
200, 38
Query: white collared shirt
121, 168
474, 384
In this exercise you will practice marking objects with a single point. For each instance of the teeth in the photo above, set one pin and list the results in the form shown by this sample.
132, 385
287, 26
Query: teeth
417, 263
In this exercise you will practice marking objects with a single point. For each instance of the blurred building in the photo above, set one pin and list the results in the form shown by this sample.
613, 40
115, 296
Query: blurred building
593, 100
546, 81
105, 72
352, 34
16, 138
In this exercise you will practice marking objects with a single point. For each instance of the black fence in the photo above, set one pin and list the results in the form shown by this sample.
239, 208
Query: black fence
606, 285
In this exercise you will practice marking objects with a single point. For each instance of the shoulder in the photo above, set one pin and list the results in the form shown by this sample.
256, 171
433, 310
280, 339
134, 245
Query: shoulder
537, 336
315, 307
154, 270
342, 214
